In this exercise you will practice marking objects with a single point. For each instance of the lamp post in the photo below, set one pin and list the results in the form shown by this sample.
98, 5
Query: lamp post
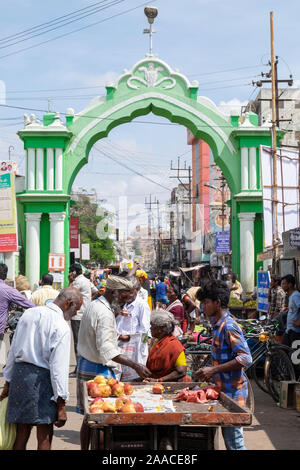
151, 13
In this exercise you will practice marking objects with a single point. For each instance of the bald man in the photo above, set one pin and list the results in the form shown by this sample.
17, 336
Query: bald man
37, 369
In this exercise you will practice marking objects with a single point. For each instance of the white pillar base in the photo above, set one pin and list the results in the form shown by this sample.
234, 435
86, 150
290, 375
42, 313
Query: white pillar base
33, 248
57, 232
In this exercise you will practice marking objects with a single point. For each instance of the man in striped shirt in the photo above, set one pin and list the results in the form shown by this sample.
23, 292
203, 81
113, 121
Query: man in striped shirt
230, 353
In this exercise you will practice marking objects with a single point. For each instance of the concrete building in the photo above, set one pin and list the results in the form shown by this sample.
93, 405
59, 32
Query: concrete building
288, 112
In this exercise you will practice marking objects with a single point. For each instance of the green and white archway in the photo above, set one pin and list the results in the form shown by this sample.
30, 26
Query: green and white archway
56, 151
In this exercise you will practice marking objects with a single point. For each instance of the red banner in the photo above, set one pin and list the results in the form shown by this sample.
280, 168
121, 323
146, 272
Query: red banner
74, 232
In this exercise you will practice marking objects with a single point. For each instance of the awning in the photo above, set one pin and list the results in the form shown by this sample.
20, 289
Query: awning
175, 273
193, 268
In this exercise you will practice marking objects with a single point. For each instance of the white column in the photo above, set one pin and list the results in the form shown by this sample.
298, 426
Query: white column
252, 168
10, 261
247, 250
33, 247
50, 169
58, 169
31, 169
57, 232
244, 168
39, 169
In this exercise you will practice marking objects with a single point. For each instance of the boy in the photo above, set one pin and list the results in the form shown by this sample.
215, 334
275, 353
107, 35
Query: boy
230, 353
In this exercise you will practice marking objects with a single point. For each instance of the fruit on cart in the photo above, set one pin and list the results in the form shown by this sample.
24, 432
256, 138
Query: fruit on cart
105, 390
117, 390
128, 408
128, 389
100, 379
97, 401
138, 407
201, 395
93, 389
96, 405
121, 401
112, 382
96, 409
158, 388
108, 407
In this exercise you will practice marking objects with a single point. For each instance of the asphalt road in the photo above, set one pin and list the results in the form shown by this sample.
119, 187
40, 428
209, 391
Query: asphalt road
273, 428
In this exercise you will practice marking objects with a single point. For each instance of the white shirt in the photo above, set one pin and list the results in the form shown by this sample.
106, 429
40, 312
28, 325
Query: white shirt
138, 321
43, 338
98, 336
84, 286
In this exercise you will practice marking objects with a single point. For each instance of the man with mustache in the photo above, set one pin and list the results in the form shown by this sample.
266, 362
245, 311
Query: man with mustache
98, 351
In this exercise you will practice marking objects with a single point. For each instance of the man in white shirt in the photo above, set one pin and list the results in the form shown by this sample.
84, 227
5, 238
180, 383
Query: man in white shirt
134, 327
37, 369
78, 280
98, 351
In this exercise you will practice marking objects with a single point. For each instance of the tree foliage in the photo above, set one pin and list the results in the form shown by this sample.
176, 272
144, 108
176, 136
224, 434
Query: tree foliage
101, 249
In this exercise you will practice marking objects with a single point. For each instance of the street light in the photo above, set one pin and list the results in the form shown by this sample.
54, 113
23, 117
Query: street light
151, 13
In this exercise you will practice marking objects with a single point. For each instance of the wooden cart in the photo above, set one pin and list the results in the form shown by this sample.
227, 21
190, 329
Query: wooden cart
192, 426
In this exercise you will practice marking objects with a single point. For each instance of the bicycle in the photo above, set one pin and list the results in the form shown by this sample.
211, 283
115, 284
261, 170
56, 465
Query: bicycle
272, 358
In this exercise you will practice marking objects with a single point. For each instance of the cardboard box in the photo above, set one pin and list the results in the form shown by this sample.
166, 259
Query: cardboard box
288, 394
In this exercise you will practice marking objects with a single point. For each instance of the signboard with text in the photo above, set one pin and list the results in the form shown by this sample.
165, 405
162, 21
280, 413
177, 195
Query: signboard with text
74, 232
8, 214
222, 242
263, 284
56, 262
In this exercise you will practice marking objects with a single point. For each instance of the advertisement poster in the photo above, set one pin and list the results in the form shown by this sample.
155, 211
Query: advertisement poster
74, 232
263, 284
222, 242
8, 214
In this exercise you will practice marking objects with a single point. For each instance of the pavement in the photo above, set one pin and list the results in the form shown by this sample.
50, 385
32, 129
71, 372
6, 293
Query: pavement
273, 428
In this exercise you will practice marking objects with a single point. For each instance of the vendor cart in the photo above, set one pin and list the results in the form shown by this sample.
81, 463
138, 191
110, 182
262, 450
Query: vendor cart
190, 426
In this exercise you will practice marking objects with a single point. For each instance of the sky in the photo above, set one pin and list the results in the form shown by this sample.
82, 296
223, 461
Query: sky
222, 45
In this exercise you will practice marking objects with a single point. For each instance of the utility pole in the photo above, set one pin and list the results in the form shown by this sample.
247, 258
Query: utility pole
184, 173
158, 245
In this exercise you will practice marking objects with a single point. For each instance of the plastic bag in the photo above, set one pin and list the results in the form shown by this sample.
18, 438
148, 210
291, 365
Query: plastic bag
7, 430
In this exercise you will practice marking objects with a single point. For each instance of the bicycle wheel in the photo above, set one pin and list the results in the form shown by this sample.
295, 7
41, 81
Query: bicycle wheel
258, 375
278, 367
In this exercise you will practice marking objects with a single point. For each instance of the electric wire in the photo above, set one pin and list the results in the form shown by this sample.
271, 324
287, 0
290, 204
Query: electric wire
96, 10
74, 31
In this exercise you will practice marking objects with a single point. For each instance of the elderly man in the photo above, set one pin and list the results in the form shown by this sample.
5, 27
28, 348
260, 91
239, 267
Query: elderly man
98, 343
133, 325
37, 369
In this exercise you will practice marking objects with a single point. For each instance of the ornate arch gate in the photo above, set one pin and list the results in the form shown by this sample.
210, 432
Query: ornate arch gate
55, 152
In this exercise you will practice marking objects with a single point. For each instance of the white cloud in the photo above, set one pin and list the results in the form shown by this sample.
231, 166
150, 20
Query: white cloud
227, 107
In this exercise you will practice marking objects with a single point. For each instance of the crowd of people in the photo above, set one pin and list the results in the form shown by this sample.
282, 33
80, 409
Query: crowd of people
123, 327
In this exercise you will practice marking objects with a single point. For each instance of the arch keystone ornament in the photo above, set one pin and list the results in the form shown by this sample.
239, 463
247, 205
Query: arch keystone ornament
56, 151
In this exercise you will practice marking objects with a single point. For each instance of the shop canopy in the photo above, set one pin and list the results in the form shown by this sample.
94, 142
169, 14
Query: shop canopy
192, 268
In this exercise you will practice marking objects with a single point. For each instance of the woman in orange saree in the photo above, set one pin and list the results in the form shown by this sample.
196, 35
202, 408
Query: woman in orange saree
166, 359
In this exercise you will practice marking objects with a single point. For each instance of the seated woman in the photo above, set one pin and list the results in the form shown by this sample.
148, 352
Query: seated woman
176, 307
166, 359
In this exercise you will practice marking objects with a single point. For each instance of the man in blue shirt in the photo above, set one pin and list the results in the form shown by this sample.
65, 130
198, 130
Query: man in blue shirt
292, 332
161, 290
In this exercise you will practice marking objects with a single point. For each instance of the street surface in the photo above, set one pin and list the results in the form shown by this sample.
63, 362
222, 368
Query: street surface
273, 428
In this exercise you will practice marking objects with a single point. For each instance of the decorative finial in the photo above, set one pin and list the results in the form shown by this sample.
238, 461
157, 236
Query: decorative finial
151, 13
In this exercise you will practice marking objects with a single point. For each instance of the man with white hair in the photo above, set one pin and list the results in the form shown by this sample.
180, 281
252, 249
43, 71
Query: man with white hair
98, 351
